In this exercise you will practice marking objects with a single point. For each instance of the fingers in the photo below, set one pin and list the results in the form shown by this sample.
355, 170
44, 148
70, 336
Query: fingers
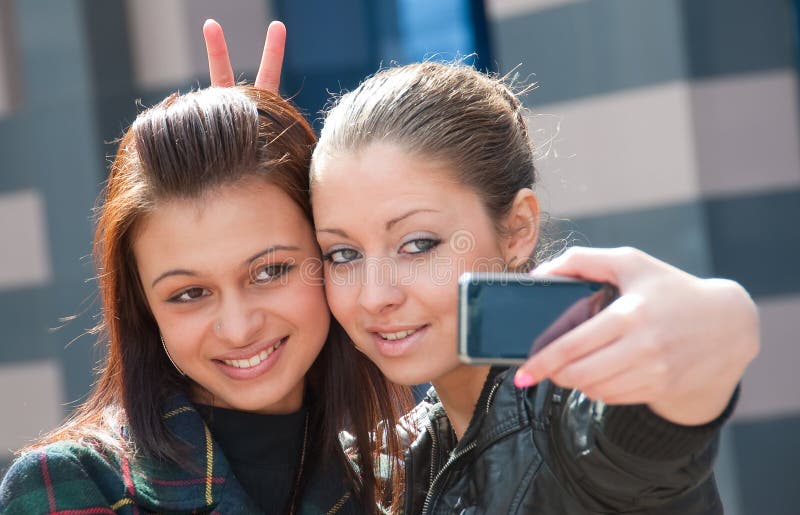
219, 63
609, 265
632, 386
588, 337
269, 71
624, 372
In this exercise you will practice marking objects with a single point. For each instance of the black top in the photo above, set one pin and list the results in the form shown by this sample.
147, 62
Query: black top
263, 451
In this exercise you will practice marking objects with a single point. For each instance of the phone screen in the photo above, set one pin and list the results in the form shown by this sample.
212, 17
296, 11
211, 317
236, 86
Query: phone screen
505, 318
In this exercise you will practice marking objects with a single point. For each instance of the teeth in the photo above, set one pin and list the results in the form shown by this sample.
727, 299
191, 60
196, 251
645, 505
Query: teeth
255, 360
398, 335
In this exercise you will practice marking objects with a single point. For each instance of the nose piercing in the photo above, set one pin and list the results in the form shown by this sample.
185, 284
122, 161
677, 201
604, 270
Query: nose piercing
218, 327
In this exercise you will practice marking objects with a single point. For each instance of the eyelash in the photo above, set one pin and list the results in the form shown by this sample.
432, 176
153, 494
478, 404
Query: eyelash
278, 271
432, 242
177, 298
280, 268
329, 256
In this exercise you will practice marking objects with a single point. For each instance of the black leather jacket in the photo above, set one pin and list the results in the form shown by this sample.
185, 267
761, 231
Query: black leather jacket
544, 451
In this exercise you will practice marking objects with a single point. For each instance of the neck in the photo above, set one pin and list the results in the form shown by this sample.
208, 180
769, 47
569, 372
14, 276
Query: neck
459, 391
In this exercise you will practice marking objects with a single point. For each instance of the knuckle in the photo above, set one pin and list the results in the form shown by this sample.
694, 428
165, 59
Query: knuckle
629, 255
654, 350
572, 350
577, 377
659, 379
592, 392
571, 254
628, 251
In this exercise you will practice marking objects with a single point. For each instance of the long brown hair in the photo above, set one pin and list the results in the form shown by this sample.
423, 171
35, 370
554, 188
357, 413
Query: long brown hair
185, 147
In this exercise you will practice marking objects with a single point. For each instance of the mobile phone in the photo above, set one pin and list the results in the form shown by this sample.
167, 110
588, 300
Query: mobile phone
505, 318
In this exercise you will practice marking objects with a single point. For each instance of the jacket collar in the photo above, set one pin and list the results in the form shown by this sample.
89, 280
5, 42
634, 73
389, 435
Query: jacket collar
500, 409
201, 483
205, 481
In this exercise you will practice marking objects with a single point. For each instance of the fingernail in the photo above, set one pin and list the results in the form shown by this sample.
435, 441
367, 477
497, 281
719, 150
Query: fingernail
523, 379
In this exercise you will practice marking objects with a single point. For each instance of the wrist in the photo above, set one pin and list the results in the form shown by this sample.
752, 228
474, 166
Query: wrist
695, 408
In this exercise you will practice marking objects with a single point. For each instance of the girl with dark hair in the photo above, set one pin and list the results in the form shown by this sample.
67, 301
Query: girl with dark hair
427, 170
620, 414
226, 384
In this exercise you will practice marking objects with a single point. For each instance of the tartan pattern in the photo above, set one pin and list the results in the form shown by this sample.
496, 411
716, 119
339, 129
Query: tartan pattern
71, 478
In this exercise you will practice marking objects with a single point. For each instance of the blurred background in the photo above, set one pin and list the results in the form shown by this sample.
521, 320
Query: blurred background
669, 125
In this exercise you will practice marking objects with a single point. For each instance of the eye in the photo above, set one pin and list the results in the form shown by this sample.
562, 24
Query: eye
190, 294
269, 273
341, 256
419, 245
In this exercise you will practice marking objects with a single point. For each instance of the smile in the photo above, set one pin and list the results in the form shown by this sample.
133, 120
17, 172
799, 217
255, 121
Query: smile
398, 335
255, 359
394, 344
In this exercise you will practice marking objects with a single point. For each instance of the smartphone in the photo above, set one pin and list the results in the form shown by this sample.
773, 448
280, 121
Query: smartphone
505, 318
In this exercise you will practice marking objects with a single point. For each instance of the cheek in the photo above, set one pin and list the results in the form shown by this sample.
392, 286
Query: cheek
341, 301
182, 333
307, 307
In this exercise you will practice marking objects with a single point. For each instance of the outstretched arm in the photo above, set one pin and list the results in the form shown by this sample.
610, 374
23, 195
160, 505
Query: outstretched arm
219, 62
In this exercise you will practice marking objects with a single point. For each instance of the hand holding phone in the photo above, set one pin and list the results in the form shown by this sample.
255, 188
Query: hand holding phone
505, 318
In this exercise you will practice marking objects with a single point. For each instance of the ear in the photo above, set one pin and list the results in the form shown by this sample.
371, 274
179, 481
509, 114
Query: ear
522, 228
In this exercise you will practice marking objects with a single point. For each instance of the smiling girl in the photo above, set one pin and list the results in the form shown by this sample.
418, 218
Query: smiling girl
226, 384
427, 170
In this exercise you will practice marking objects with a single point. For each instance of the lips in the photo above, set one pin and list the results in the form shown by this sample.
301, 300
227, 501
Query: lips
253, 363
396, 341
254, 359
392, 336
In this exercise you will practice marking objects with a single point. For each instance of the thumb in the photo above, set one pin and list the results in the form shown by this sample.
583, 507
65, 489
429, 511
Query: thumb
614, 266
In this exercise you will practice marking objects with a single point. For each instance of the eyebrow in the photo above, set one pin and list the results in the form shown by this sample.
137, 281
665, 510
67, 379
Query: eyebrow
389, 224
400, 218
268, 250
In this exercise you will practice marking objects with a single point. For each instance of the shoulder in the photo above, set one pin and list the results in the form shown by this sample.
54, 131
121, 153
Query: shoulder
71, 474
408, 429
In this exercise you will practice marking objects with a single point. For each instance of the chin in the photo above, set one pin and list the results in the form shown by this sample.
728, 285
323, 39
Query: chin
406, 375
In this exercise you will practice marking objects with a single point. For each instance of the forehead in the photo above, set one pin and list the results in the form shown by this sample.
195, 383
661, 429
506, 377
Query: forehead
383, 173
230, 221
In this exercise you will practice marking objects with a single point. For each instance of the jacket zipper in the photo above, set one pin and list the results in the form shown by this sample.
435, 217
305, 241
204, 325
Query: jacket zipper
490, 397
433, 480
452, 460
434, 452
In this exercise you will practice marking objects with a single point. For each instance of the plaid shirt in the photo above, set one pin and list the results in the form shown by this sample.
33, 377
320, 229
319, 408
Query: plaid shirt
68, 478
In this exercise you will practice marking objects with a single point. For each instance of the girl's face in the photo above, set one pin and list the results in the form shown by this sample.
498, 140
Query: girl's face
396, 231
225, 279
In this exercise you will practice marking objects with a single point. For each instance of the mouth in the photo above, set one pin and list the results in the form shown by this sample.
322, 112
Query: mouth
252, 366
255, 359
399, 335
397, 342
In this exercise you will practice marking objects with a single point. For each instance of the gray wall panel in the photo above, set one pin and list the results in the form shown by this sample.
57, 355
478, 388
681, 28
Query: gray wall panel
51, 145
675, 234
767, 455
756, 240
602, 46
593, 47
739, 36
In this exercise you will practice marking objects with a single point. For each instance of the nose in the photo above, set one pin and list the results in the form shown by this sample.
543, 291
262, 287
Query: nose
240, 319
380, 288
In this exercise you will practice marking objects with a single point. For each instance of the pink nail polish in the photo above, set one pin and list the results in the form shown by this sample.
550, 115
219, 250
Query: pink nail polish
522, 379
